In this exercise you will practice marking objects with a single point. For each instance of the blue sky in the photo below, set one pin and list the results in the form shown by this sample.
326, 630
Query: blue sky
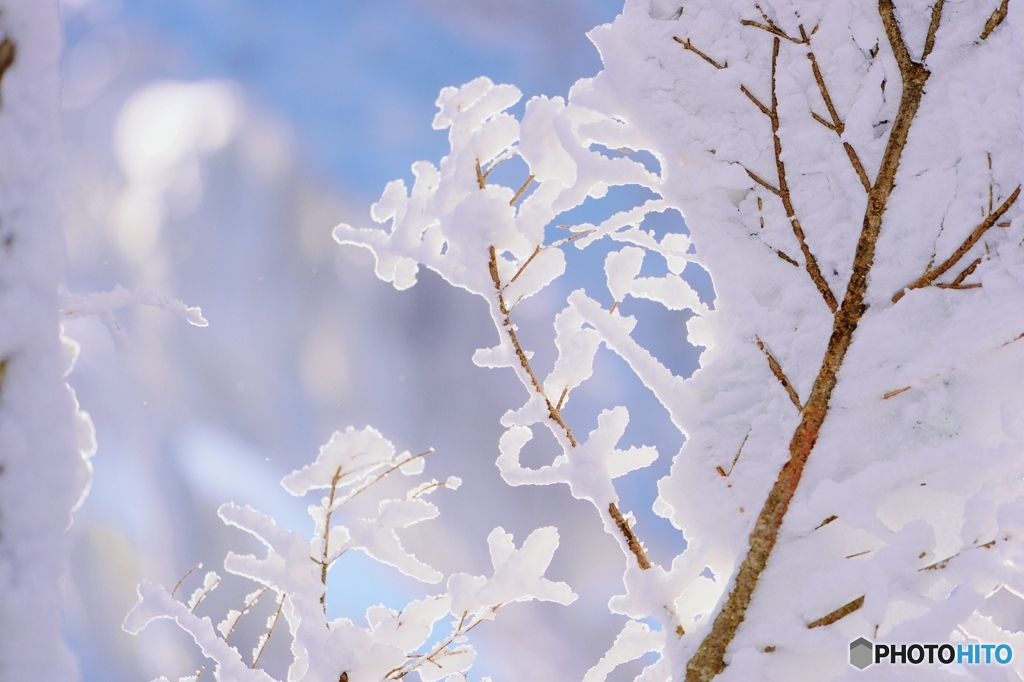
358, 79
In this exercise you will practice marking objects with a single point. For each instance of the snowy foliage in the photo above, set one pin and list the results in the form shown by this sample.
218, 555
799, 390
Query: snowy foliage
861, 370
390, 645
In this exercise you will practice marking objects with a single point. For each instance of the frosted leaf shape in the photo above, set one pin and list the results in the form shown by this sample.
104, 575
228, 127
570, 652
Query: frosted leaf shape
621, 268
377, 537
519, 573
635, 640
155, 603
410, 629
448, 663
541, 147
352, 455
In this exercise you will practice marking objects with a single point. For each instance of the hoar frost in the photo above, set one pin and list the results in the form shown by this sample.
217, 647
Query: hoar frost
390, 645
862, 372
853, 464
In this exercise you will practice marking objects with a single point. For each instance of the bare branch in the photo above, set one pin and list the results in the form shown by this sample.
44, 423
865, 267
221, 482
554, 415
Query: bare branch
709, 658
976, 285
837, 124
895, 36
786, 258
893, 394
942, 564
555, 411
997, 18
764, 110
842, 612
931, 274
967, 271
782, 191
759, 180
521, 191
780, 375
722, 472
689, 46
481, 179
631, 541
187, 574
528, 261
827, 521
823, 122
933, 27
270, 632
773, 29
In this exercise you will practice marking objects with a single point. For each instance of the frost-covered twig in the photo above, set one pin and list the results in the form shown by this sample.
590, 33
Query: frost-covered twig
834, 616
783, 191
836, 125
689, 46
103, 305
554, 411
392, 645
780, 375
933, 273
708, 661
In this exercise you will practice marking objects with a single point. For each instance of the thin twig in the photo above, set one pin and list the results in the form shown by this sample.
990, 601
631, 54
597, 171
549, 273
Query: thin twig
967, 271
384, 474
689, 46
270, 632
782, 191
827, 521
554, 411
942, 564
893, 394
931, 274
975, 285
184, 577
735, 459
997, 18
709, 658
773, 29
246, 607
522, 190
837, 125
933, 27
780, 375
761, 181
528, 261
634, 544
481, 179
760, 105
842, 612
786, 258
327, 538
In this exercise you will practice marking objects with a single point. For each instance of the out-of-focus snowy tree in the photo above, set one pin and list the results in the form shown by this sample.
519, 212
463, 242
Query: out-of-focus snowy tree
45, 441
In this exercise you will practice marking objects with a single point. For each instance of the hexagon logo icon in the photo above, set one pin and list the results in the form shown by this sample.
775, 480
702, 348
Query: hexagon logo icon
861, 653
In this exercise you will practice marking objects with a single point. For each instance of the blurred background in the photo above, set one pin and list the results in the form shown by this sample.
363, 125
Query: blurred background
210, 148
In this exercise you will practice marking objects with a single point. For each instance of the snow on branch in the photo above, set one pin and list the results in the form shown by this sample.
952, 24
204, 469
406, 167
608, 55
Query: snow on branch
391, 645
878, 181
103, 305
